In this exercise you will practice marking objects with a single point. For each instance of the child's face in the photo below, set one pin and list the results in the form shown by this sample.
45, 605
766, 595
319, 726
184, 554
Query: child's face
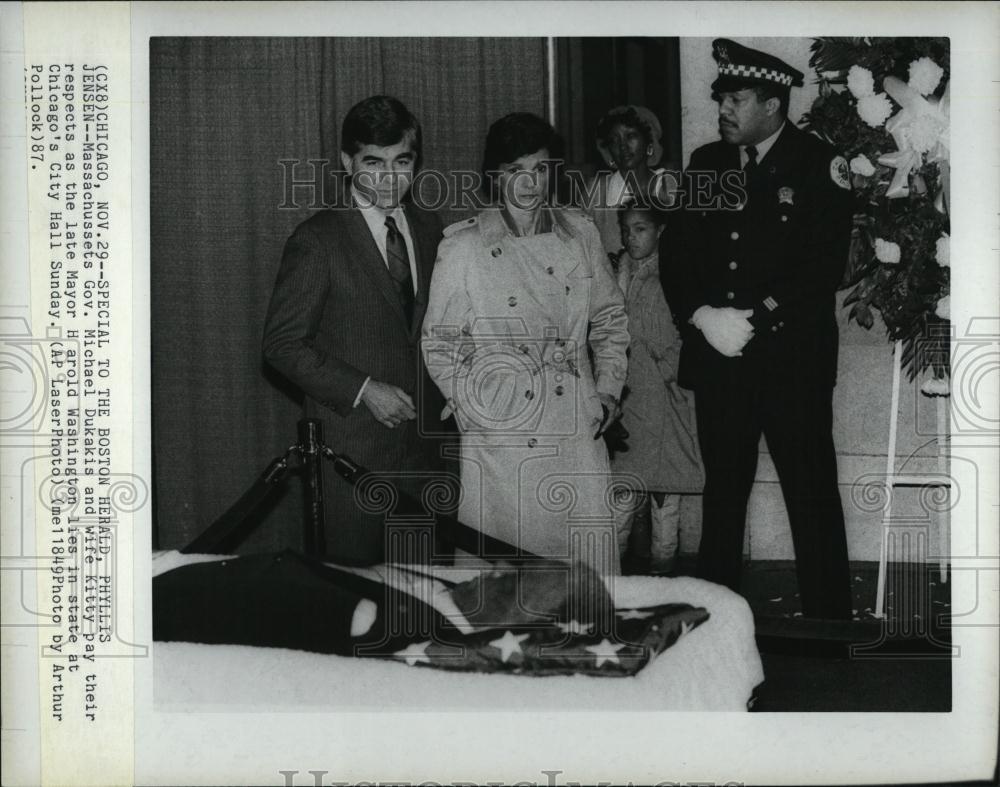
640, 234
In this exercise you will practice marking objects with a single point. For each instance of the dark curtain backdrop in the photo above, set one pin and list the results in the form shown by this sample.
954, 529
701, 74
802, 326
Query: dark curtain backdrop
595, 74
223, 113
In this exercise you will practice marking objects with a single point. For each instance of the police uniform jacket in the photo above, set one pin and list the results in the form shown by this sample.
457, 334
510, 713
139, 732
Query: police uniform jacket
775, 240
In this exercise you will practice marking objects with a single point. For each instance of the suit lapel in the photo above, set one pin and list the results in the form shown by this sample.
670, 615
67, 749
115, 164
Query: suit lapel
370, 258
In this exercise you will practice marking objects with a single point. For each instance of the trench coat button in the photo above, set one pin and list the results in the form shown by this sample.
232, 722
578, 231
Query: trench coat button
730, 295
496, 252
512, 301
559, 390
529, 394
550, 270
734, 235
733, 266
532, 443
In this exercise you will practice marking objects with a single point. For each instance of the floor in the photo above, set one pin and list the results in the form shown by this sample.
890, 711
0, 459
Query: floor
899, 663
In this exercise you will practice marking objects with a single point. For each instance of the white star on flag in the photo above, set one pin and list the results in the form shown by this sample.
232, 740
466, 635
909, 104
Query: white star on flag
509, 644
574, 627
633, 614
417, 652
605, 651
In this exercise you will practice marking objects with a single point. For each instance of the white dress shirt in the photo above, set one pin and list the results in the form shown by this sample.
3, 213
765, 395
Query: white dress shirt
375, 219
762, 147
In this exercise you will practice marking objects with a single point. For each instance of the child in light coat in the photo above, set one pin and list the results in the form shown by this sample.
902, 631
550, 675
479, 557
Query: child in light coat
662, 460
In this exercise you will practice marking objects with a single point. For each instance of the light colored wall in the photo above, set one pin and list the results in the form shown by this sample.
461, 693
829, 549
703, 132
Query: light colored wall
862, 395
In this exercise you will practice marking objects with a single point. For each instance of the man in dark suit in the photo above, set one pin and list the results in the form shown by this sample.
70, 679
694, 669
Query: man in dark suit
344, 326
764, 241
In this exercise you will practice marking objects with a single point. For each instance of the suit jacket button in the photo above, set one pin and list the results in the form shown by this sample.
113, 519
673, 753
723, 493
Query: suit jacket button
529, 394
781, 323
774, 328
496, 252
734, 235
733, 266
512, 301
559, 390
784, 217
532, 443
730, 295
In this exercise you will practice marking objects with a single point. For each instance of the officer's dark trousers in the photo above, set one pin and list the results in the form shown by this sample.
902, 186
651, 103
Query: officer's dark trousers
790, 401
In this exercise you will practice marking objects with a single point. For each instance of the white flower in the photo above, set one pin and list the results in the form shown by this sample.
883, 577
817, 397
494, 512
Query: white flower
942, 252
874, 110
860, 82
925, 75
924, 131
935, 386
861, 165
943, 309
886, 251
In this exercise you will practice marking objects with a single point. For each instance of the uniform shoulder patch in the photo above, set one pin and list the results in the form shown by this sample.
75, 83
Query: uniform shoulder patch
840, 173
458, 226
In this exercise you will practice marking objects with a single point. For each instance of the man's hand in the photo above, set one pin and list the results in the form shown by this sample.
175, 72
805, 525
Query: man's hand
390, 405
612, 412
726, 329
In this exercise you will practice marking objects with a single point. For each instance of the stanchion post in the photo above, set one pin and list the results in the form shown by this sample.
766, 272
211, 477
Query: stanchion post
311, 442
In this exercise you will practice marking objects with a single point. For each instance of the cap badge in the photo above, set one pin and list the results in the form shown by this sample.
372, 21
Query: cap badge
786, 195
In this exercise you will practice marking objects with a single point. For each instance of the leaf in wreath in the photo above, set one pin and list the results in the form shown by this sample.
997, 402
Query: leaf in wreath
863, 315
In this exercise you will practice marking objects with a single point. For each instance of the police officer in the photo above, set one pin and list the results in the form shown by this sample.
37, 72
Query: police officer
763, 243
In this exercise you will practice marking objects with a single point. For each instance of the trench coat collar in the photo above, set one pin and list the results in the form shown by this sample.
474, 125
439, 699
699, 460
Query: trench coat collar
493, 228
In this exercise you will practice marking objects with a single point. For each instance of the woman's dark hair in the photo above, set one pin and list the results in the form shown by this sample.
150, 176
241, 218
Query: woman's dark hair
626, 116
380, 120
515, 135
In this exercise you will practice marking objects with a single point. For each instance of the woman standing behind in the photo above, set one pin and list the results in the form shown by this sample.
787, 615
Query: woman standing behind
519, 294
662, 460
628, 138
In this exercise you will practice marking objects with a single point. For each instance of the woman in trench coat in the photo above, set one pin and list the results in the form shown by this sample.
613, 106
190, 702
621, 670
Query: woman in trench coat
526, 336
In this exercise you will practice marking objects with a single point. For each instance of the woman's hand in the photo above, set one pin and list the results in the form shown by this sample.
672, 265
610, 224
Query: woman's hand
612, 412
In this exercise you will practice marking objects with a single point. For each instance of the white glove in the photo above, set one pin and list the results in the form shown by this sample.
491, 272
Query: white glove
726, 329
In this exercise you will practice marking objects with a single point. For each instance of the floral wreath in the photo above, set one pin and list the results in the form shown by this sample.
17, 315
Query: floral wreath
883, 102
